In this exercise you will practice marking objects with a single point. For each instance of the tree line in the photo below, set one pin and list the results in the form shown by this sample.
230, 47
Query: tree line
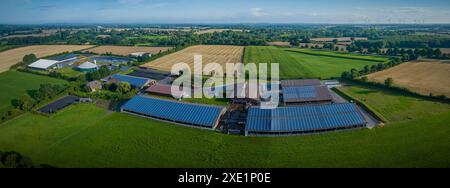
13, 159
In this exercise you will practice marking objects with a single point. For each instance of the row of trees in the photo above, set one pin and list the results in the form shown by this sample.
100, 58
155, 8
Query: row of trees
45, 92
33, 98
13, 159
102, 72
354, 73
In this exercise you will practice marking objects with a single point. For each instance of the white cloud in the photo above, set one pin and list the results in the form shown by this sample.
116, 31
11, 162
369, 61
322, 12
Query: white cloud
133, 2
258, 12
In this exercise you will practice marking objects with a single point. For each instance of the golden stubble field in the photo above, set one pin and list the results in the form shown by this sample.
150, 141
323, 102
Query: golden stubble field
126, 50
424, 77
220, 54
14, 56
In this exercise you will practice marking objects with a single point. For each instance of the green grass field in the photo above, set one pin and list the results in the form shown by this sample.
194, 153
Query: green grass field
87, 136
338, 54
69, 71
13, 84
302, 65
396, 106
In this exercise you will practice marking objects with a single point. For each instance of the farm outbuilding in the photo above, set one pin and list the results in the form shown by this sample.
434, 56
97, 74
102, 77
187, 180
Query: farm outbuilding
301, 82
303, 119
150, 73
305, 94
304, 91
43, 64
94, 86
139, 54
136, 82
87, 67
160, 89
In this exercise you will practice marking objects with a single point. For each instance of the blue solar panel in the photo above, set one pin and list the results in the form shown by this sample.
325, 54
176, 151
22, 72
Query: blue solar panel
134, 81
304, 118
64, 57
299, 92
200, 115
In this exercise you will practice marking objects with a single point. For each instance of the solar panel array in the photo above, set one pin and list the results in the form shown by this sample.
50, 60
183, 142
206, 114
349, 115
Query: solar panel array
304, 118
299, 92
306, 94
199, 115
301, 82
134, 81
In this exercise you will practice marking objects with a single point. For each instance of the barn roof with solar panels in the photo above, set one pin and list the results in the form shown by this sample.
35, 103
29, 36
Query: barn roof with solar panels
134, 81
306, 94
303, 119
300, 83
184, 113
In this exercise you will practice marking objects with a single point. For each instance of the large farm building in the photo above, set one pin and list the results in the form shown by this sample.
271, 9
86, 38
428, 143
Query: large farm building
307, 106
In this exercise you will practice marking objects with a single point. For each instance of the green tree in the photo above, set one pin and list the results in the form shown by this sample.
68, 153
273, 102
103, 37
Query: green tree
364, 79
389, 82
26, 103
437, 53
28, 59
123, 87
11, 159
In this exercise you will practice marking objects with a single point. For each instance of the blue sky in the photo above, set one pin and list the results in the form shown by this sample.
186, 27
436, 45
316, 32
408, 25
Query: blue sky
224, 11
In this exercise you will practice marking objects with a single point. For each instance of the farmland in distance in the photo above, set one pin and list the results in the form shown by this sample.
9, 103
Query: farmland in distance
126, 50
14, 56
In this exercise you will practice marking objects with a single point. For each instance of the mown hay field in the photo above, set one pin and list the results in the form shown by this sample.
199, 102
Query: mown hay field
423, 77
220, 54
302, 63
14, 56
126, 50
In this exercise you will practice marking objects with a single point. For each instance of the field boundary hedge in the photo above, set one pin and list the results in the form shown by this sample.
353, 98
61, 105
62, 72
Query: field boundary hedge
337, 56
364, 105
405, 91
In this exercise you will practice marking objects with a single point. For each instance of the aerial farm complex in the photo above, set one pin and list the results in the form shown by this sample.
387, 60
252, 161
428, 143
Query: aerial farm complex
306, 109
305, 106
110, 100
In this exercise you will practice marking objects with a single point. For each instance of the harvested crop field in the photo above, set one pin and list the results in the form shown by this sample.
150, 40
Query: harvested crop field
424, 77
126, 50
220, 54
14, 56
